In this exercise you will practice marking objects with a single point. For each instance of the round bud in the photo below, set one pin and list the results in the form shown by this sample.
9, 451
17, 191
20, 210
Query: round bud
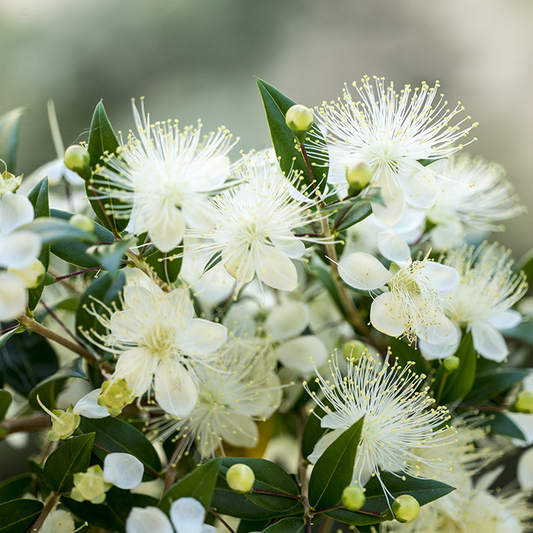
358, 176
64, 423
353, 350
524, 402
82, 222
299, 118
451, 364
405, 508
240, 478
353, 497
77, 159
90, 486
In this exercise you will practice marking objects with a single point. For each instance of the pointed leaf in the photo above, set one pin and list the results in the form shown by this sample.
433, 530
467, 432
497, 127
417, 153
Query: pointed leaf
9, 132
500, 424
287, 525
16, 516
15, 487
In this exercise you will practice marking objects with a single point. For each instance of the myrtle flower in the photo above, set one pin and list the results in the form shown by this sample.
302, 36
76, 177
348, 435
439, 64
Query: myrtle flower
392, 133
413, 302
163, 178
187, 515
157, 340
474, 196
58, 521
399, 418
254, 234
482, 300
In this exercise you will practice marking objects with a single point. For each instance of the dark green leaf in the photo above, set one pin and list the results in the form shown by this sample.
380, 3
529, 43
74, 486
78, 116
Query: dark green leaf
489, 384
287, 525
167, 269
71, 457
15, 487
16, 516
351, 215
426, 162
111, 255
5, 402
405, 354
8, 334
249, 526
334, 469
522, 332
9, 131
53, 230
312, 431
116, 435
199, 484
500, 424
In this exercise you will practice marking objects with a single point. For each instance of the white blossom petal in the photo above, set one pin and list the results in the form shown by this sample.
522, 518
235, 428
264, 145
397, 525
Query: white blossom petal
15, 211
394, 248
445, 277
385, 317
199, 214
275, 269
19, 249
187, 515
489, 342
58, 521
363, 271
506, 320
434, 327
88, 406
297, 354
323, 443
394, 199
240, 431
430, 352
148, 520
203, 337
175, 389
525, 470
13, 296
421, 189
123, 470
287, 320
286, 242
445, 236
167, 231
137, 366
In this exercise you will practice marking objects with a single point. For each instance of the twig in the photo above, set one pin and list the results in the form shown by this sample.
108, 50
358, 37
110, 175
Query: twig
220, 519
49, 505
27, 423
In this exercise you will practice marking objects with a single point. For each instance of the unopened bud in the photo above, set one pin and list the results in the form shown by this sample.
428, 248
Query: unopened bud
353, 350
240, 478
90, 486
115, 396
524, 402
9, 182
78, 160
405, 508
82, 222
451, 364
299, 119
358, 176
353, 497
32, 275
64, 423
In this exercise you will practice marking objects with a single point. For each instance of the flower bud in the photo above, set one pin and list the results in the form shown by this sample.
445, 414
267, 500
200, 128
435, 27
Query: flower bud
64, 423
451, 364
115, 396
32, 275
240, 478
299, 119
358, 176
405, 508
90, 486
78, 160
9, 182
353, 497
353, 350
524, 402
82, 222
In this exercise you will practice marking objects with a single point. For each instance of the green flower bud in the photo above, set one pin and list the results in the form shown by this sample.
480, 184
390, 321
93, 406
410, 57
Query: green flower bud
240, 478
90, 486
64, 423
451, 364
82, 222
353, 350
524, 402
358, 176
115, 396
78, 160
353, 497
32, 275
405, 508
9, 182
299, 119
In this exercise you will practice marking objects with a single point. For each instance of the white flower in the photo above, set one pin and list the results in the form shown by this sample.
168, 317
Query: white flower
123, 470
413, 303
187, 515
58, 521
255, 224
157, 340
474, 195
482, 300
399, 419
164, 178
391, 133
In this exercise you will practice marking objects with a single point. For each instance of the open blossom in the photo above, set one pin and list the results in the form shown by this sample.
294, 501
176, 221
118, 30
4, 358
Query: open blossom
415, 298
482, 300
254, 233
163, 178
392, 133
157, 340
399, 417
474, 195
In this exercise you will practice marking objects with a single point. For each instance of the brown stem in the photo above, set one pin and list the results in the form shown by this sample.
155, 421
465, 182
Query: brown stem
27, 423
274, 493
145, 267
221, 520
170, 478
49, 505
78, 273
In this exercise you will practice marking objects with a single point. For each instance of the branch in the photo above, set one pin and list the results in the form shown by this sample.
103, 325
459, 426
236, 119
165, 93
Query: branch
47, 509
27, 423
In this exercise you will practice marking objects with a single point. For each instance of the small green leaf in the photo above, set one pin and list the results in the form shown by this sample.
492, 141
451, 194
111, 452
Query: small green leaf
9, 132
500, 424
489, 384
111, 255
5, 402
16, 516
15, 487
312, 431
426, 162
350, 216
167, 269
71, 457
405, 354
334, 469
52, 230
250, 526
287, 525
8, 334
198, 484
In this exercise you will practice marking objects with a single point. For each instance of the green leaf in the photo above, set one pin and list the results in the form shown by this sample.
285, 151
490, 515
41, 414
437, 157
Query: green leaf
167, 269
111, 255
9, 132
16, 516
285, 143
249, 526
49, 389
287, 525
334, 469
489, 384
324, 276
350, 216
72, 456
52, 230
198, 484
523, 332
426, 162
500, 424
406, 354
102, 139
312, 431
39, 199
8, 334
15, 487
5, 402
114, 435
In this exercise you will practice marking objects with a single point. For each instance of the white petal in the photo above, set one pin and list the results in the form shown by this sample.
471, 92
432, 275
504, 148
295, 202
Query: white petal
287, 243
363, 271
394, 199
239, 430
332, 421
241, 267
187, 515
214, 173
20, 249
394, 248
88, 406
167, 231
412, 219
430, 352
15, 211
148, 520
434, 327
445, 277
203, 337
275, 269
506, 320
175, 389
489, 342
240, 318
323, 443
206, 528
199, 214
384, 315
13, 296
445, 236
525, 470
297, 354
525, 423
137, 366
123, 470
421, 189
287, 320
58, 521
